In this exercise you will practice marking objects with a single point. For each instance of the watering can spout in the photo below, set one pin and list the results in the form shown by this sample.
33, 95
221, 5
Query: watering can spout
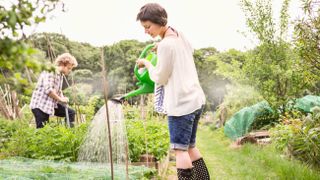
120, 99
143, 89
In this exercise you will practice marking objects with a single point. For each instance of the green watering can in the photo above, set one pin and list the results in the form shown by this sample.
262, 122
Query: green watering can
146, 85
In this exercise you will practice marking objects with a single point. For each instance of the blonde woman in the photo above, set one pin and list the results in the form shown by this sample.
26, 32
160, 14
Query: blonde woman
47, 98
183, 96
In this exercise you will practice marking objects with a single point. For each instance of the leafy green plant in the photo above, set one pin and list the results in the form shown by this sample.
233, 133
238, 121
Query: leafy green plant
49, 143
7, 129
86, 103
299, 136
307, 35
149, 135
79, 93
16, 54
93, 105
273, 67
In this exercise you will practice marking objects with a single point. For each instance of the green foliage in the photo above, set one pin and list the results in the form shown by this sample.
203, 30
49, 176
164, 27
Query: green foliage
94, 104
146, 136
53, 142
83, 76
299, 136
23, 13
213, 85
248, 162
120, 60
16, 54
265, 120
87, 55
307, 35
53, 44
238, 97
79, 93
49, 143
273, 67
230, 66
7, 129
85, 99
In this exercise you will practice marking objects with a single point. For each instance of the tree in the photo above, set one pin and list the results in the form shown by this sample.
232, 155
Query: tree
16, 54
307, 35
120, 62
230, 66
273, 67
213, 85
52, 44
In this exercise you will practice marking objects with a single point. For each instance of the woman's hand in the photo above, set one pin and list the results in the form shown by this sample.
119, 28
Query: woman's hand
141, 63
154, 49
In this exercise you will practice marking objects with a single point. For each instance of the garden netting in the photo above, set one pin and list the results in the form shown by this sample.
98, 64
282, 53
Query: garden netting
240, 123
25, 169
306, 103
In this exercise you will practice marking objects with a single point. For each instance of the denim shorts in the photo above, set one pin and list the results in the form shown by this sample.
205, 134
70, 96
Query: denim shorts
183, 130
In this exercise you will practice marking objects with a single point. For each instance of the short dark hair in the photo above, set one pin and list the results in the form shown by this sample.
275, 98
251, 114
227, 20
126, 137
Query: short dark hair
153, 12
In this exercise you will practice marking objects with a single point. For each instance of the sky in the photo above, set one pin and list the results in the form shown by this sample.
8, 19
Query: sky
206, 23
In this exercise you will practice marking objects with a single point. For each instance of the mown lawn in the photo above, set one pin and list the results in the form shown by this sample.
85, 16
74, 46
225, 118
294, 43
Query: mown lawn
249, 161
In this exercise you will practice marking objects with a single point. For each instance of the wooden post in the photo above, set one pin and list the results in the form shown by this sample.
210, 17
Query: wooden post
15, 105
3, 108
144, 119
105, 87
28, 74
51, 53
75, 102
127, 161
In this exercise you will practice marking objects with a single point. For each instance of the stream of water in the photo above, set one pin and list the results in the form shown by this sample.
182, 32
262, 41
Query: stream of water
96, 144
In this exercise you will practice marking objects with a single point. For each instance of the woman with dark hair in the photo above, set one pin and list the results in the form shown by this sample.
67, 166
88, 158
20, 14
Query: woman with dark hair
183, 97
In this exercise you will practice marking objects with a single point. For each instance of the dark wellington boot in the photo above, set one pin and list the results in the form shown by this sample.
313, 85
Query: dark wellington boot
200, 170
185, 174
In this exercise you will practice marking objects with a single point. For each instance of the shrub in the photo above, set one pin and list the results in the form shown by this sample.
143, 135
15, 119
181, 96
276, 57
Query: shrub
238, 97
299, 136
79, 93
7, 129
146, 136
82, 76
93, 105
49, 143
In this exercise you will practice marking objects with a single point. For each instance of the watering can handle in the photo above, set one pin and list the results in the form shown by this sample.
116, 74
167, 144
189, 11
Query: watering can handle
143, 54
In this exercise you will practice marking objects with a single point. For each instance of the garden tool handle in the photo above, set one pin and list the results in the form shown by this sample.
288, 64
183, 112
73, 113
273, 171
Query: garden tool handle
67, 114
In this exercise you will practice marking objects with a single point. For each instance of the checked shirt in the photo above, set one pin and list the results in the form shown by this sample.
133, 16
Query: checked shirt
48, 81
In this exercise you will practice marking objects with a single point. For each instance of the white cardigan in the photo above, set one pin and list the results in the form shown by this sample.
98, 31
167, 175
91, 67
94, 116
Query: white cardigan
176, 70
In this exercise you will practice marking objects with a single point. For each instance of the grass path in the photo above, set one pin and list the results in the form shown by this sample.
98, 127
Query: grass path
248, 162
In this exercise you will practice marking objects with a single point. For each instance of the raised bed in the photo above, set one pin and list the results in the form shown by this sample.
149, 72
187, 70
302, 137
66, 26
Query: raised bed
150, 162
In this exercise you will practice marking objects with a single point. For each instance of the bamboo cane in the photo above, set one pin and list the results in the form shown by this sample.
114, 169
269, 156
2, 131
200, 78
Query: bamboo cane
15, 105
105, 87
3, 105
3, 108
28, 74
9, 102
127, 161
